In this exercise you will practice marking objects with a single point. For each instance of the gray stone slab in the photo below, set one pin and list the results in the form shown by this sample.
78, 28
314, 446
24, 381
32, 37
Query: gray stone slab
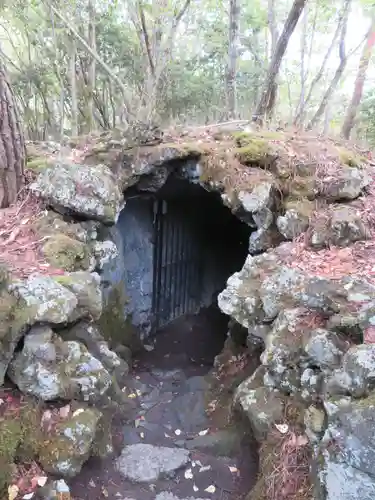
144, 463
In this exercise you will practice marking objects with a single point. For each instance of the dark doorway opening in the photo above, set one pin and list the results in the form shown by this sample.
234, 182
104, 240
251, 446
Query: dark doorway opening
198, 244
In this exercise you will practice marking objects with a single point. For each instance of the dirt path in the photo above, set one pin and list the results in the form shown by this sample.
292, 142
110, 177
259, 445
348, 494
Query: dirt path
169, 388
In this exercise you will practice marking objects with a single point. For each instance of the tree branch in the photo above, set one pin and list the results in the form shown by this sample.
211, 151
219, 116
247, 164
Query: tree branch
94, 54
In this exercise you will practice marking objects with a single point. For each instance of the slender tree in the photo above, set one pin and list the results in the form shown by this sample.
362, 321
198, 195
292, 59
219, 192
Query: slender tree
267, 99
234, 14
12, 145
359, 82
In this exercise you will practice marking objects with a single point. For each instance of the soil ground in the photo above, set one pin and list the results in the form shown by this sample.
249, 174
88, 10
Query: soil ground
170, 384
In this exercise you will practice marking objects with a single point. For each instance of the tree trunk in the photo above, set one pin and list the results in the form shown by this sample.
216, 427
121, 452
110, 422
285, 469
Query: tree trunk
12, 145
266, 102
339, 71
342, 18
359, 83
91, 74
73, 88
303, 72
232, 59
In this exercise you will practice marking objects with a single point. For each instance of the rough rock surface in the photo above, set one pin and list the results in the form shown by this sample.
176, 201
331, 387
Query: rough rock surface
146, 463
89, 335
49, 368
85, 190
69, 445
86, 288
50, 301
343, 226
263, 406
347, 184
316, 329
165, 495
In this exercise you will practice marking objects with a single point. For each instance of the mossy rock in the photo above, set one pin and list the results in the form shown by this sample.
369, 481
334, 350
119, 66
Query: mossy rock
37, 165
68, 446
304, 207
20, 439
350, 158
255, 151
299, 187
66, 253
114, 326
52, 223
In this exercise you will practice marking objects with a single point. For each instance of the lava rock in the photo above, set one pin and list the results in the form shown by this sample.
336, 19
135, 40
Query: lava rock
324, 348
343, 227
89, 335
49, 368
50, 301
263, 407
339, 481
347, 184
86, 288
359, 369
295, 220
104, 252
68, 446
144, 463
88, 190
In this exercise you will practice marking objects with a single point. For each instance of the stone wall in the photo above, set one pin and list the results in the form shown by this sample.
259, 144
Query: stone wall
59, 333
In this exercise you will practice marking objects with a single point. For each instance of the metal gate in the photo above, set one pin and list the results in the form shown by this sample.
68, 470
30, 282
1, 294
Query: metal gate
177, 266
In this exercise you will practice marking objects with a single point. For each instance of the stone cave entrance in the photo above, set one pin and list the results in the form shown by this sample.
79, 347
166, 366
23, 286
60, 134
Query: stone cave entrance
180, 245
177, 248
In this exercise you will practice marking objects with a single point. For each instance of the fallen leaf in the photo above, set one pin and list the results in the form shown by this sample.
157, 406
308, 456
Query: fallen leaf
149, 348
195, 487
64, 411
47, 415
205, 468
41, 481
105, 492
302, 440
92, 483
283, 428
137, 422
188, 474
142, 434
233, 469
12, 491
132, 395
166, 435
177, 432
203, 433
2, 401
210, 489
78, 412
139, 393
28, 496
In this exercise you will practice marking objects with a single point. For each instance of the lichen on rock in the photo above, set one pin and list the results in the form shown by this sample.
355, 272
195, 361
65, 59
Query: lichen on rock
68, 446
49, 368
90, 191
68, 254
86, 288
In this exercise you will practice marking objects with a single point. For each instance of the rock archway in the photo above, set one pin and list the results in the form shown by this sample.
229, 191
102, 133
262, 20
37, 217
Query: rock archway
306, 206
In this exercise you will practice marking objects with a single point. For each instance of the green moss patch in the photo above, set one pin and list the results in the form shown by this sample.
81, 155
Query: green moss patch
64, 252
351, 158
20, 438
115, 328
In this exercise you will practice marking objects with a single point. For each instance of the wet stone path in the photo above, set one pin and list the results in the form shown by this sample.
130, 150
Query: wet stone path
170, 449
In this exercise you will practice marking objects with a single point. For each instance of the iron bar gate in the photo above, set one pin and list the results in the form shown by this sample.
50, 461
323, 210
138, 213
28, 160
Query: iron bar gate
177, 266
